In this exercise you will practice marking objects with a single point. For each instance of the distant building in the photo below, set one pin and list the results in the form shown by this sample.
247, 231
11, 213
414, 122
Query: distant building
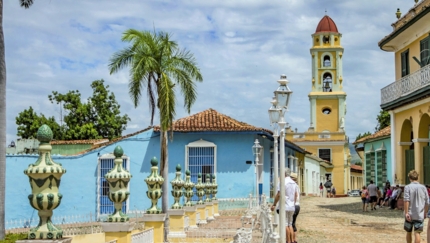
407, 99
326, 135
376, 150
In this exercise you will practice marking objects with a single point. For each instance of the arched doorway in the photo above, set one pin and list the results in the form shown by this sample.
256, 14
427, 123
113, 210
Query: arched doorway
423, 136
406, 136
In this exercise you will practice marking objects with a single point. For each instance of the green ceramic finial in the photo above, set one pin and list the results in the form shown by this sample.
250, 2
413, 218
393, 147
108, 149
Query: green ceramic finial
199, 175
213, 176
187, 172
178, 168
44, 134
118, 152
154, 161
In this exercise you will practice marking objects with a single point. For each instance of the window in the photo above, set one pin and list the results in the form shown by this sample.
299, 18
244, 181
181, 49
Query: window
405, 62
327, 82
370, 165
425, 51
201, 158
325, 154
326, 111
327, 62
104, 205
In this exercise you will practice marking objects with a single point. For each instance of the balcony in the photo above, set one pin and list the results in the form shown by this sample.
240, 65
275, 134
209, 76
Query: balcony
406, 85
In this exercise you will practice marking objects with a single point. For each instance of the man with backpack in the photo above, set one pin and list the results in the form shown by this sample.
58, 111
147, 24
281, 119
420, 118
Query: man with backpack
328, 186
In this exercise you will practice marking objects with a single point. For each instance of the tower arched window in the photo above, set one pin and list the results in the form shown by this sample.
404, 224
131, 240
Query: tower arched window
327, 82
327, 62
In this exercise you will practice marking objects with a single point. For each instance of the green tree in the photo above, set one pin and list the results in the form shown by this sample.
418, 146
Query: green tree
98, 118
362, 135
383, 120
25, 4
29, 122
156, 65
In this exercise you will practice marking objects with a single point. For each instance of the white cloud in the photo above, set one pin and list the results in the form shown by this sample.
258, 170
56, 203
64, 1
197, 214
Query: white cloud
241, 47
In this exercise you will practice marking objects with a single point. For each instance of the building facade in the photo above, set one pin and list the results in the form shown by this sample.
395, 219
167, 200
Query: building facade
207, 142
407, 99
326, 137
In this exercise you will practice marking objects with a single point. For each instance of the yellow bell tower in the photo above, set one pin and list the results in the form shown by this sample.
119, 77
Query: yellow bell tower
326, 135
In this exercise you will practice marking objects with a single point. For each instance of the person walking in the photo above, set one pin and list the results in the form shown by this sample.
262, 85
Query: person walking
290, 201
321, 189
328, 186
416, 200
297, 207
373, 195
364, 198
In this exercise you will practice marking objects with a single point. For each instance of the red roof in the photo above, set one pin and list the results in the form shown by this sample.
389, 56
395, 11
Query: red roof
326, 24
211, 120
356, 167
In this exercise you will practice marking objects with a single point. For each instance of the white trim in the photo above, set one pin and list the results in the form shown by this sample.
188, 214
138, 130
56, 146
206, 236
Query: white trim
404, 143
201, 143
319, 143
420, 140
393, 148
412, 105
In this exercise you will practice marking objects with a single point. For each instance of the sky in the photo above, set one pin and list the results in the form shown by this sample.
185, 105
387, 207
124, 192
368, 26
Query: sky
241, 47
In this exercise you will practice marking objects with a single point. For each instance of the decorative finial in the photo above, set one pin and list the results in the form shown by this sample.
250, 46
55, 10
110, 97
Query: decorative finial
118, 152
187, 172
398, 13
178, 168
44, 134
325, 11
154, 161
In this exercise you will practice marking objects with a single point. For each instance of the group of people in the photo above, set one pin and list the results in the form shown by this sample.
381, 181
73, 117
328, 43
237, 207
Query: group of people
292, 204
372, 195
331, 190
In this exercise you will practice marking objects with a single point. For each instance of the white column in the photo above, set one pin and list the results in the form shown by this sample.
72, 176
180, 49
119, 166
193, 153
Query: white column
282, 229
275, 167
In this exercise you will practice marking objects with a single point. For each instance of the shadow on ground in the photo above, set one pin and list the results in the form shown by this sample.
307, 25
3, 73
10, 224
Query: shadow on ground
357, 208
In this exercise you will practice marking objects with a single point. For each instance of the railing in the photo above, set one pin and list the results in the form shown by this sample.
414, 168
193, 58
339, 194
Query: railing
71, 224
146, 236
406, 85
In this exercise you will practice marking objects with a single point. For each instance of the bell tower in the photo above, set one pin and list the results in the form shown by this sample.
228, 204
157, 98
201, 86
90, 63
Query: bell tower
327, 98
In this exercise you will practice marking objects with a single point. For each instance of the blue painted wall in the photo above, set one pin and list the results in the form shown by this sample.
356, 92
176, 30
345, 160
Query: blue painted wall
235, 178
376, 145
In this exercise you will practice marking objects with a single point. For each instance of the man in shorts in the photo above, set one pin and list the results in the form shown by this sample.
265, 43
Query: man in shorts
328, 186
373, 195
416, 200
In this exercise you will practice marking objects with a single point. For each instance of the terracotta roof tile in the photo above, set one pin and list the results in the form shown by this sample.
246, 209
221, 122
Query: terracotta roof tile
211, 120
356, 167
326, 24
88, 141
381, 133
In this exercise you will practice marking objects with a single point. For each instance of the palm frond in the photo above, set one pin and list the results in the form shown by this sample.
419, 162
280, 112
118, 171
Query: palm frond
26, 3
121, 59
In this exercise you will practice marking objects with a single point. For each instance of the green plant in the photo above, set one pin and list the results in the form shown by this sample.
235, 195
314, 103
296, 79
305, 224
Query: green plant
12, 238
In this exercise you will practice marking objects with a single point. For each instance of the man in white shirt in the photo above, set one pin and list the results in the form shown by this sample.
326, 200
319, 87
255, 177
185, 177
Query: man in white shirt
290, 201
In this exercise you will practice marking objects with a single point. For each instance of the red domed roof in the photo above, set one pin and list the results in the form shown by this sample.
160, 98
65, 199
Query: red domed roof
326, 24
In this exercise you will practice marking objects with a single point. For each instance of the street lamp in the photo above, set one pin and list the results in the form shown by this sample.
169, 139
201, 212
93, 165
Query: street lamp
256, 150
274, 115
283, 95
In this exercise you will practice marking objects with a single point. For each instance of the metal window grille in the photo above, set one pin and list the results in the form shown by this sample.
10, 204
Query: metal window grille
105, 206
200, 160
325, 154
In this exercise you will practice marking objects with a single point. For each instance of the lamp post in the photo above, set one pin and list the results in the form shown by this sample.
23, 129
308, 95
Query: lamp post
274, 116
282, 95
256, 150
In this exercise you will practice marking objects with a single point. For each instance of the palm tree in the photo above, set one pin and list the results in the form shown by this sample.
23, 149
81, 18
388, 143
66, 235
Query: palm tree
157, 64
25, 4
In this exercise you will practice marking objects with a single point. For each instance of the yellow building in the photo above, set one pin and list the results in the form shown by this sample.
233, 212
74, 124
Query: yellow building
326, 135
408, 98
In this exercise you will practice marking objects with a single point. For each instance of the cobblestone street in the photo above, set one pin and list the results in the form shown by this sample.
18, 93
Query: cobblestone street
342, 220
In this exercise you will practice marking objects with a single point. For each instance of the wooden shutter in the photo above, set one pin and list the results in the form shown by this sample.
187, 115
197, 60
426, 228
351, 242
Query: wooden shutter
410, 163
379, 181
426, 164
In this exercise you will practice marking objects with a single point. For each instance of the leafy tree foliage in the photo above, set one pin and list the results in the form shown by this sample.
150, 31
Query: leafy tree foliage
362, 135
383, 120
98, 118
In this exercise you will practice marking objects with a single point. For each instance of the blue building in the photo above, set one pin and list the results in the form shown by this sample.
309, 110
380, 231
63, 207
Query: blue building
206, 142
